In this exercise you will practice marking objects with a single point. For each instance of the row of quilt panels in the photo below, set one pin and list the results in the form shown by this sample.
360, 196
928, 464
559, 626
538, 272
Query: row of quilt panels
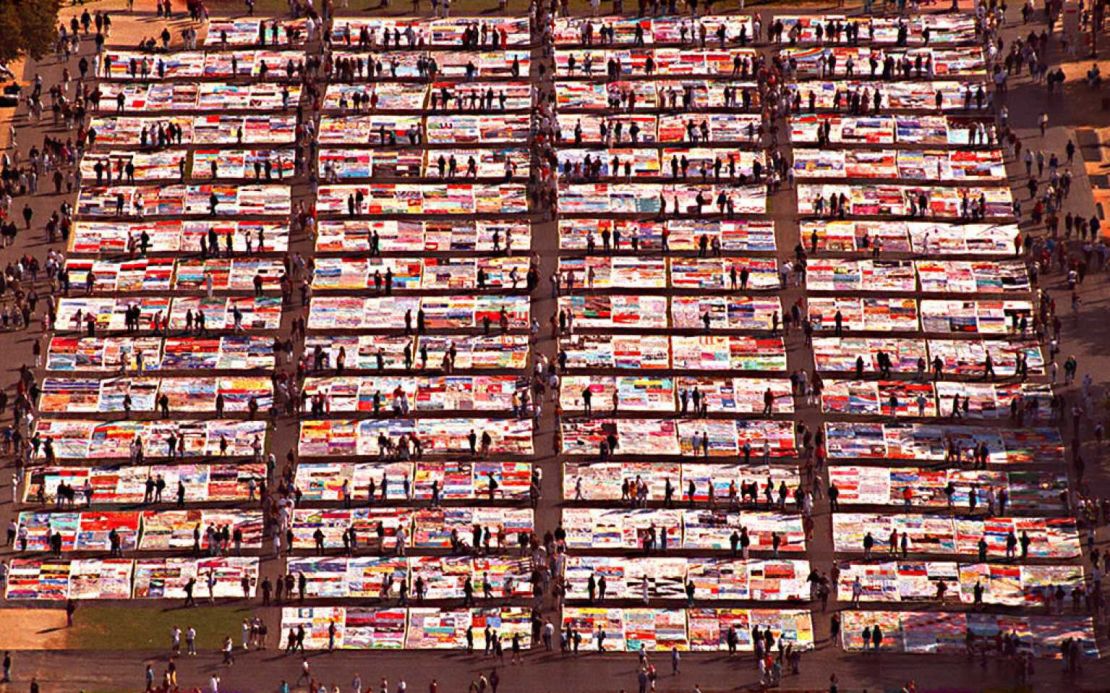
659, 577
633, 271
347, 437
511, 64
665, 394
702, 529
404, 393
400, 628
927, 61
1002, 584
608, 481
1049, 537
895, 200
335, 163
840, 355
449, 480
243, 352
248, 31
438, 312
931, 316
701, 629
121, 485
914, 95
421, 236
1026, 491
943, 28
449, 273
755, 235
644, 311
213, 128
262, 96
90, 237
165, 530
822, 274
703, 353
947, 166
229, 352
666, 161
733, 235
665, 62
950, 61
317, 481
161, 274
570, 31
201, 164
124, 64
454, 129
922, 399
438, 95
665, 578
642, 95
721, 437
385, 352
932, 632
942, 442
443, 577
919, 237
651, 198
494, 393
143, 530
177, 313
930, 29
200, 96
178, 200
435, 32
421, 528
124, 578
700, 94
844, 440
929, 130
423, 198
142, 394
644, 128
74, 439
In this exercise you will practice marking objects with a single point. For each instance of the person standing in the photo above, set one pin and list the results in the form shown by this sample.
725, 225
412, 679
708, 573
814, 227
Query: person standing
228, 647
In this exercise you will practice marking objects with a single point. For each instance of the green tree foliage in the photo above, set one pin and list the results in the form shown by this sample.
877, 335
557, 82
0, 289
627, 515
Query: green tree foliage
27, 27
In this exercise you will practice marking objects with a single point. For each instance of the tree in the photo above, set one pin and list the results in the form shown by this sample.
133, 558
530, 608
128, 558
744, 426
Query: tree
29, 27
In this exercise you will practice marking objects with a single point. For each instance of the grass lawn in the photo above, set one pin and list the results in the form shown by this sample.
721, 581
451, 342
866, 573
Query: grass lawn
148, 628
